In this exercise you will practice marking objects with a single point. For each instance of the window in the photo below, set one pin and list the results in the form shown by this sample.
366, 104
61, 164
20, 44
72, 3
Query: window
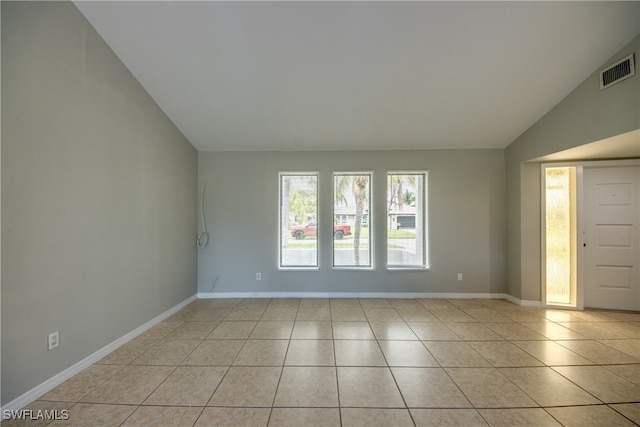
560, 235
407, 229
352, 235
299, 220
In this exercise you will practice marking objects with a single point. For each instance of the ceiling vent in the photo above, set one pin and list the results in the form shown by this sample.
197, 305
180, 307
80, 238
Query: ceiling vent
617, 72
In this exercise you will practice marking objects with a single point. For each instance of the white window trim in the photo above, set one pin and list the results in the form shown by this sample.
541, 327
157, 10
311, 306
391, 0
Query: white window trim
424, 220
279, 216
371, 265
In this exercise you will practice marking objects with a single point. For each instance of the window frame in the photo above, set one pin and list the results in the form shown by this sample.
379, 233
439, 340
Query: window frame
423, 218
369, 214
303, 267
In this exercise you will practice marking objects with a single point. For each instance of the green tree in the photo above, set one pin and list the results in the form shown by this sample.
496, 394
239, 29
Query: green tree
358, 185
302, 203
341, 184
409, 198
284, 219
299, 201
398, 196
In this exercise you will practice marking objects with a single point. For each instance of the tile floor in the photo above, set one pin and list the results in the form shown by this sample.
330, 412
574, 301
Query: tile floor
364, 362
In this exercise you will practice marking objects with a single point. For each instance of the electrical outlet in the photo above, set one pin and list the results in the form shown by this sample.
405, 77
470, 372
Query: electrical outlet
460, 277
258, 276
54, 340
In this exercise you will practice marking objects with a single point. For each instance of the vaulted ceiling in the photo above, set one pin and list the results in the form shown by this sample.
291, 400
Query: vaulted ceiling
360, 75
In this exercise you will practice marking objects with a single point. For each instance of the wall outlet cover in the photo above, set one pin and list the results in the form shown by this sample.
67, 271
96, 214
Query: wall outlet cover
54, 340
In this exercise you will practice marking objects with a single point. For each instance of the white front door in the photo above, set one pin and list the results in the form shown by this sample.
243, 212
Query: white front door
611, 237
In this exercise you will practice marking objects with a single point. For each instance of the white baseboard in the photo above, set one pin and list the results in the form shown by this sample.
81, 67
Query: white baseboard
433, 295
523, 303
28, 397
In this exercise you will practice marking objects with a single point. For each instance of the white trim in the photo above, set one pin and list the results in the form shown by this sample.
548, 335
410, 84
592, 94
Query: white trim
523, 303
433, 295
424, 218
31, 395
574, 285
370, 217
579, 238
279, 260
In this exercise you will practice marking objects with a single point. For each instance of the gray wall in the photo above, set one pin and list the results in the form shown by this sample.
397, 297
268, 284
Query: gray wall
466, 219
99, 197
584, 116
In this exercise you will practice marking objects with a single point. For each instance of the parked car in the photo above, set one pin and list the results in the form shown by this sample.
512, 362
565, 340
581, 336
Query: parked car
311, 229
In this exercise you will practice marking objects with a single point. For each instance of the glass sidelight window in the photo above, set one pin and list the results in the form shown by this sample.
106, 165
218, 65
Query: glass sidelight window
560, 235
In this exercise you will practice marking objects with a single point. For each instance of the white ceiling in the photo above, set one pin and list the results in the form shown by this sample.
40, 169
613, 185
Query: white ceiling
360, 75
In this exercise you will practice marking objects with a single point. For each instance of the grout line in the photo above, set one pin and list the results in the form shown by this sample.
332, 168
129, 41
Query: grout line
515, 319
335, 362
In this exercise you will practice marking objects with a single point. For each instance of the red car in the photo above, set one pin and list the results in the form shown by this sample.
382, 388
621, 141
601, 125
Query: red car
311, 229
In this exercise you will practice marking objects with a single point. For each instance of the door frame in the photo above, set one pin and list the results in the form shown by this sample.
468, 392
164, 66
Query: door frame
580, 211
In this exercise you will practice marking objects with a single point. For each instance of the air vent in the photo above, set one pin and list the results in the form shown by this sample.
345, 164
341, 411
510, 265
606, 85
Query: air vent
617, 72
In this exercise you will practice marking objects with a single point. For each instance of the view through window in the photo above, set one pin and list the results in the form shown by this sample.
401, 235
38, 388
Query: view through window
406, 220
299, 220
353, 231
352, 235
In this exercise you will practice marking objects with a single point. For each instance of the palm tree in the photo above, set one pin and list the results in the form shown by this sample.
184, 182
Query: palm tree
358, 184
392, 182
341, 184
398, 196
302, 203
360, 192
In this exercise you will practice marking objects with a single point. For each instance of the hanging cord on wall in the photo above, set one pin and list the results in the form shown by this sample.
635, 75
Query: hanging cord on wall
203, 237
